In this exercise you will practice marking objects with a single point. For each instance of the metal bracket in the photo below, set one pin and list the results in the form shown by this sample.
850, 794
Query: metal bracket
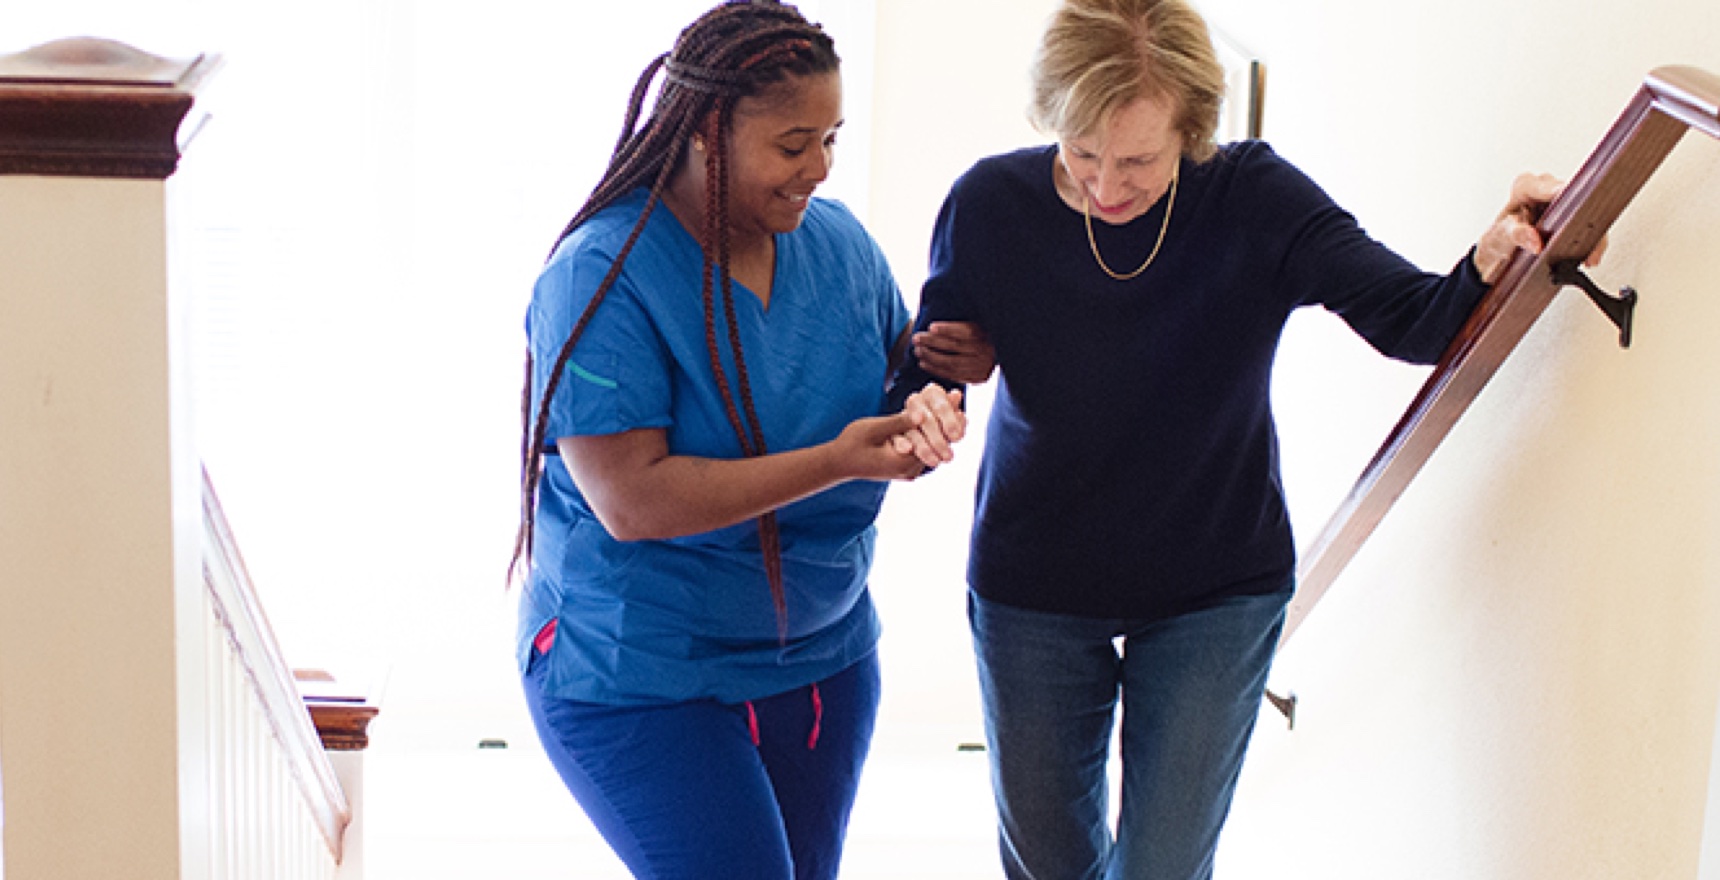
1286, 705
1618, 309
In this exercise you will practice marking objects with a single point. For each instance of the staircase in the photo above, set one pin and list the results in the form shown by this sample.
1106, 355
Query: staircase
149, 726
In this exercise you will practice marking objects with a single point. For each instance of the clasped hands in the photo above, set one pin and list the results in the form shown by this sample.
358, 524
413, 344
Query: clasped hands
904, 445
960, 352
933, 420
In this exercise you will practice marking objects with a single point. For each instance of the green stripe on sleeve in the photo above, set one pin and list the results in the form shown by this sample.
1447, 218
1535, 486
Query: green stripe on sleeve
591, 377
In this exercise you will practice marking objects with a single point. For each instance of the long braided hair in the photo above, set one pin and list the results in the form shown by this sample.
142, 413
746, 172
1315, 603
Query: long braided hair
737, 50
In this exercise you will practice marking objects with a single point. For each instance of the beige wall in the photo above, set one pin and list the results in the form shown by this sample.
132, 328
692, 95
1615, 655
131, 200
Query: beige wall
1518, 677
98, 537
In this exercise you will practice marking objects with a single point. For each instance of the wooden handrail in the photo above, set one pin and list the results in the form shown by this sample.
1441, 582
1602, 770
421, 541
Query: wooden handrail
236, 606
1671, 100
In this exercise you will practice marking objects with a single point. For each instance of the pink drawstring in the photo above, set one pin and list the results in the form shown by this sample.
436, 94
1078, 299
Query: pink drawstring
546, 637
817, 717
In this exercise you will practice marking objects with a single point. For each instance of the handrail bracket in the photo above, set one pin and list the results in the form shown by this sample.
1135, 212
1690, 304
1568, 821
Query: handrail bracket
1619, 309
1286, 705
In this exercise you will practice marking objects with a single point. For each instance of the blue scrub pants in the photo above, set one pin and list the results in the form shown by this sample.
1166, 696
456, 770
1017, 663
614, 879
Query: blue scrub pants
1190, 688
681, 791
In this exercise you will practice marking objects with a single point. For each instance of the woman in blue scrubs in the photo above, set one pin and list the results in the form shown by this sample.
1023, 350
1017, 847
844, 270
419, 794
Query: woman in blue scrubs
705, 452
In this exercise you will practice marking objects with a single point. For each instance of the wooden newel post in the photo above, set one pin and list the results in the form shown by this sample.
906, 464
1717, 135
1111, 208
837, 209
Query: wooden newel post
99, 479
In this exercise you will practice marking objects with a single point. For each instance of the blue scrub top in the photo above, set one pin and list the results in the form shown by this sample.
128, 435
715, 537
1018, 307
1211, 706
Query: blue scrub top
691, 617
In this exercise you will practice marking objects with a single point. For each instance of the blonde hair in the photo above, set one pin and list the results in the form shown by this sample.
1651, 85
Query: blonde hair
1098, 55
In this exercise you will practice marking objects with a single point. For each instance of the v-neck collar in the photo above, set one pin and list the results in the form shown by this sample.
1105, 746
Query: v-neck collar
690, 245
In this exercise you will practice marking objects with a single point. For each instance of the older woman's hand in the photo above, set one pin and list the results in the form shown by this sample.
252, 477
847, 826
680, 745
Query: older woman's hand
1515, 227
938, 423
956, 350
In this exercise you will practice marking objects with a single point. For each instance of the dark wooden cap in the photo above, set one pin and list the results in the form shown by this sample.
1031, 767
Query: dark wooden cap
89, 107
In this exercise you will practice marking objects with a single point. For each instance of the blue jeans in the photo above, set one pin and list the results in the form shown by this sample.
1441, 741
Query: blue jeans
1190, 687
712, 791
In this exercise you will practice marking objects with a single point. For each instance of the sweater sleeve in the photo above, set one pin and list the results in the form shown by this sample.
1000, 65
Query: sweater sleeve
942, 298
1402, 311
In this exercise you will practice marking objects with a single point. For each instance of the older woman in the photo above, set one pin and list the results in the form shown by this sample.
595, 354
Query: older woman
1131, 540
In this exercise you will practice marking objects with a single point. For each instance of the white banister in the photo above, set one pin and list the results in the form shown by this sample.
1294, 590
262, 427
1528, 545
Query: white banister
273, 792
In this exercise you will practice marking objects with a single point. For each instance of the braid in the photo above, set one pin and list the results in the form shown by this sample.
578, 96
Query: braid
751, 432
717, 231
635, 103
735, 51
531, 468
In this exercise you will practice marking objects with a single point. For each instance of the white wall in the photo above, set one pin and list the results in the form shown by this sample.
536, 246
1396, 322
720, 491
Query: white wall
951, 86
1518, 676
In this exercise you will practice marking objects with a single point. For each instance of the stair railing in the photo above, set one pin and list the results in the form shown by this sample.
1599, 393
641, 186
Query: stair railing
273, 794
1671, 101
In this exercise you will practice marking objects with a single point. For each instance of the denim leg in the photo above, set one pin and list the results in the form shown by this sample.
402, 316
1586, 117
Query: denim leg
1049, 686
1192, 687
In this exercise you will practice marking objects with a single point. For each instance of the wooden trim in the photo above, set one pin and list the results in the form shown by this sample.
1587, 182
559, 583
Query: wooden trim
1256, 98
87, 107
341, 706
1671, 101
240, 613
342, 726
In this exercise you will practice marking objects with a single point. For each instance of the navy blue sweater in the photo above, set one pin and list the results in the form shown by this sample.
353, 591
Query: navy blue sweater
1131, 465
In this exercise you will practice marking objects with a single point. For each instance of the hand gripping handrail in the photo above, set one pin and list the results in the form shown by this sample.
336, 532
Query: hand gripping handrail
1671, 101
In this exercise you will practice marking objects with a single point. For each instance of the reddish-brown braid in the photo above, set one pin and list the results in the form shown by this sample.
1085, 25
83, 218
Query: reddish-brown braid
751, 432
734, 51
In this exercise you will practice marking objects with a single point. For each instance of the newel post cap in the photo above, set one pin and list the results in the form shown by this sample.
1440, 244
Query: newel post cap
91, 107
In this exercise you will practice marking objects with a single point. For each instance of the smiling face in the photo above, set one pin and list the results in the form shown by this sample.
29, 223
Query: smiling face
1125, 166
782, 146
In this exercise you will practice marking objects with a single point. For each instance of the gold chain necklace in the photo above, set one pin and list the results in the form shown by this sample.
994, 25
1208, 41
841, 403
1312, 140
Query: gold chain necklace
1086, 214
